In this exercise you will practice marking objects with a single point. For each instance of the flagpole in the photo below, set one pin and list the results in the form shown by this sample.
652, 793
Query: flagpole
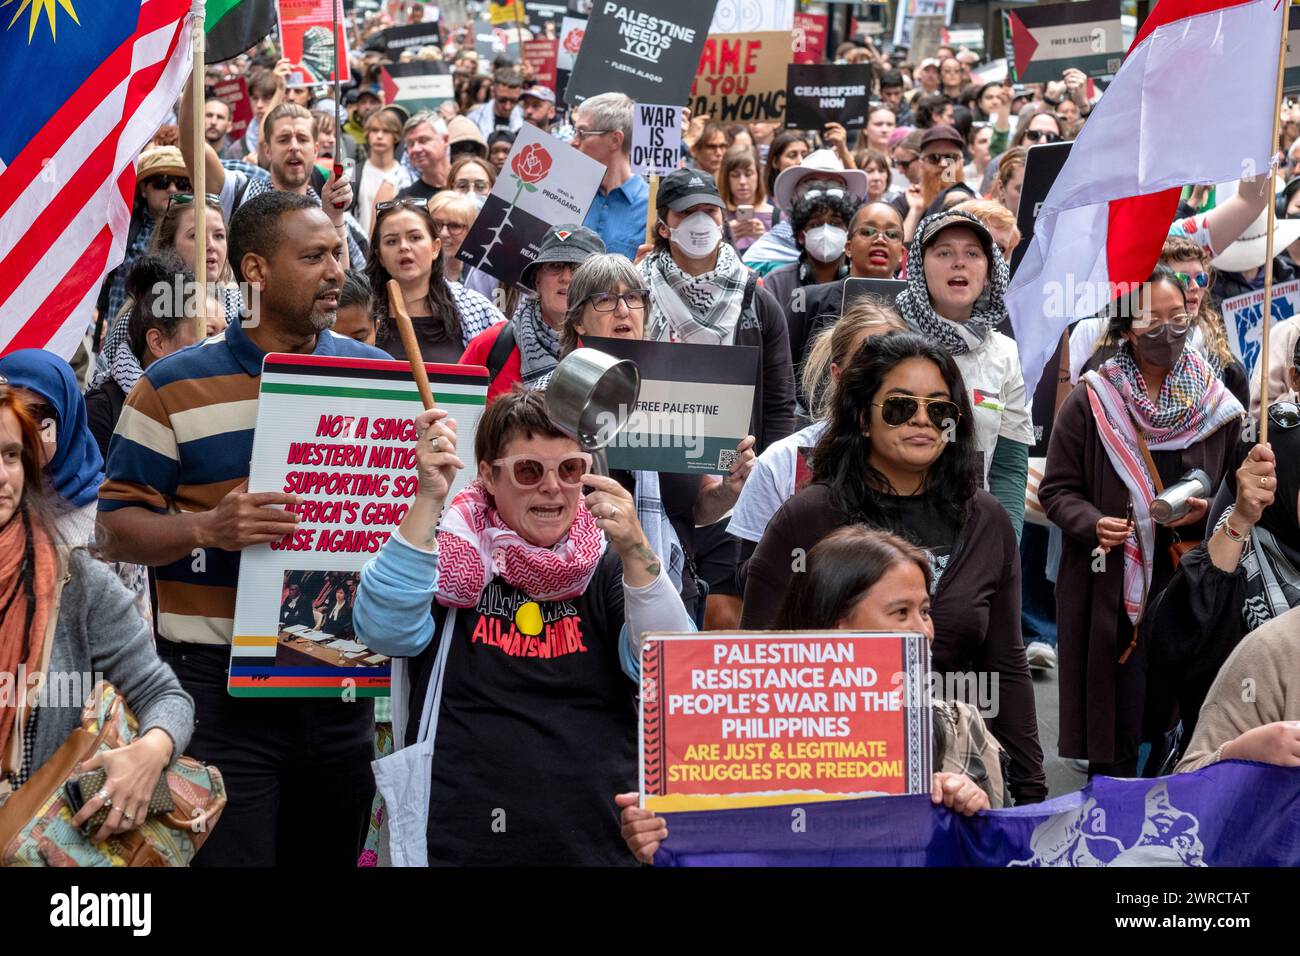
1267, 315
338, 102
199, 181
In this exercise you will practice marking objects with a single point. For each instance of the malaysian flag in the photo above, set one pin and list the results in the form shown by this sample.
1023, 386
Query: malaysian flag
87, 83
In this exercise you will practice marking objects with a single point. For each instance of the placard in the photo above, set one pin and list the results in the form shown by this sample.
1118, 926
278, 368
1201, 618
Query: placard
741, 77
927, 36
544, 183
830, 93
753, 16
810, 37
1243, 318
418, 85
340, 433
647, 49
1291, 72
394, 40
234, 93
905, 16
542, 56
743, 719
695, 405
656, 139
307, 41
491, 42
507, 11
572, 30
1044, 41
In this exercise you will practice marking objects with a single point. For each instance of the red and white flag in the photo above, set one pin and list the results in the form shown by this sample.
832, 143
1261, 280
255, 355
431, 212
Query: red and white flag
1192, 103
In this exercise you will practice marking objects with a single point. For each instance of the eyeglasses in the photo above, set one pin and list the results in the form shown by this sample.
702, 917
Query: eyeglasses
557, 268
526, 471
1042, 136
899, 163
635, 299
187, 199
1284, 414
898, 410
942, 159
396, 203
870, 232
507, 100
472, 185
831, 192
453, 228
162, 182
580, 133
1202, 279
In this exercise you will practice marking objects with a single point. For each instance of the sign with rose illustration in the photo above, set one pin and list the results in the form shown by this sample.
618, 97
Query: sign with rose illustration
544, 183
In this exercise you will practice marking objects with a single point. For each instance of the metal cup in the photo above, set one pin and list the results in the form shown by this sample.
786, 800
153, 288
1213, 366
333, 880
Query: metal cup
590, 396
1175, 501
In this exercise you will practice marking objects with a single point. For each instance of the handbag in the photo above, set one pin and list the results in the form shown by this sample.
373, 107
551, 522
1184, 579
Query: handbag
36, 821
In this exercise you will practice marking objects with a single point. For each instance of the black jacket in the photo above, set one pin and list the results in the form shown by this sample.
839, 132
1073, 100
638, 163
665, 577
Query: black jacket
762, 324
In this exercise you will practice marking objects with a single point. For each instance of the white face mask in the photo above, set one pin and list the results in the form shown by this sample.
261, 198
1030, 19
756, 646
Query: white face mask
825, 243
697, 236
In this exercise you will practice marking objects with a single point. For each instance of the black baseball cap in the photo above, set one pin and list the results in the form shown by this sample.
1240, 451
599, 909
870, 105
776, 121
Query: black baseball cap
686, 188
565, 243
942, 134
931, 227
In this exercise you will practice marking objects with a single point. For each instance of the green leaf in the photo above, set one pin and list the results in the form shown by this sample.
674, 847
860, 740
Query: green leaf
530, 187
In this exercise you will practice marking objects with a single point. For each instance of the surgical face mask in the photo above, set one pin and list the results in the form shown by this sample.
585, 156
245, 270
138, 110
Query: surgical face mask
825, 243
1162, 346
697, 236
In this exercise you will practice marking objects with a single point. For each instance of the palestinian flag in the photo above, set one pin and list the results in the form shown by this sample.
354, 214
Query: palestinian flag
418, 86
232, 26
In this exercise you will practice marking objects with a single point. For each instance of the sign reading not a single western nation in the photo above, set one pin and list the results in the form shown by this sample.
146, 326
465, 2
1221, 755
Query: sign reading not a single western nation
656, 139
648, 49
829, 93
1243, 317
308, 41
695, 405
418, 85
543, 183
1047, 40
339, 433
741, 77
234, 93
753, 718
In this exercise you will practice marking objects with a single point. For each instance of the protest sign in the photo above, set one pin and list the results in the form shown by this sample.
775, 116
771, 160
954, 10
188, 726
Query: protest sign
543, 183
418, 85
507, 11
541, 13
885, 290
830, 93
572, 30
234, 93
694, 409
810, 37
746, 719
1045, 41
491, 41
340, 433
647, 49
753, 16
1291, 73
905, 17
927, 36
741, 77
1243, 318
394, 40
656, 139
307, 40
542, 56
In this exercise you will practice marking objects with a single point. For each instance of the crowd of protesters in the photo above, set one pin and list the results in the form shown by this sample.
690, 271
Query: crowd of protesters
890, 441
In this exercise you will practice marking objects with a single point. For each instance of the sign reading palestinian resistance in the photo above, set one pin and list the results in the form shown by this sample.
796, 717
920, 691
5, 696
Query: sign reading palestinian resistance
741, 77
748, 719
1045, 41
307, 40
234, 93
394, 40
656, 139
542, 56
695, 405
647, 49
810, 37
340, 433
1243, 317
544, 183
830, 93
418, 85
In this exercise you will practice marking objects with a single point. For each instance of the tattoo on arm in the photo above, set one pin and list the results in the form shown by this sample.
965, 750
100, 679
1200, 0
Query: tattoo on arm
650, 558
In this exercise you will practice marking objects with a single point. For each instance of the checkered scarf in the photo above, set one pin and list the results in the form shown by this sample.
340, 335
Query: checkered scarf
539, 344
700, 309
1188, 399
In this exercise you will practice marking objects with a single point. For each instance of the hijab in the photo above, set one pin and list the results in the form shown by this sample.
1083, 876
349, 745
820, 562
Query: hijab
77, 469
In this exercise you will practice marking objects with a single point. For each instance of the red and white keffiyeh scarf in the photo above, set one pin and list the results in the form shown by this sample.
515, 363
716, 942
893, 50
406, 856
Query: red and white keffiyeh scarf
475, 545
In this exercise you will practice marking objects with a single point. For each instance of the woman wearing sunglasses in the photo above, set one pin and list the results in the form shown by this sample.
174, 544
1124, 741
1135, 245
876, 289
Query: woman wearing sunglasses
898, 455
525, 673
1155, 407
956, 298
445, 315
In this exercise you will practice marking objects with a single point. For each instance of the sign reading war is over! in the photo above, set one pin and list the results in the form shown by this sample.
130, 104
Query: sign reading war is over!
832, 93
544, 183
340, 434
741, 77
757, 718
1047, 40
656, 139
648, 49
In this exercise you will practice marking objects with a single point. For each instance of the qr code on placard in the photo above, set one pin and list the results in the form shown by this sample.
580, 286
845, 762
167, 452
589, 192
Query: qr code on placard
726, 458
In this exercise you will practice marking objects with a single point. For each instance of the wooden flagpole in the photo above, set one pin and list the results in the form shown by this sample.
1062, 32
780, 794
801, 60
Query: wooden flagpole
199, 182
1267, 315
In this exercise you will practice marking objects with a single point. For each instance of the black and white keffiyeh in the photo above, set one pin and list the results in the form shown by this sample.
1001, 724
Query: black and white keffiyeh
539, 344
701, 309
913, 303
475, 311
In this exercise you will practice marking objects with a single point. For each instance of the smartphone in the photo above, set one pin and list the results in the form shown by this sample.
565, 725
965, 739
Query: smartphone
343, 167
72, 792
744, 213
